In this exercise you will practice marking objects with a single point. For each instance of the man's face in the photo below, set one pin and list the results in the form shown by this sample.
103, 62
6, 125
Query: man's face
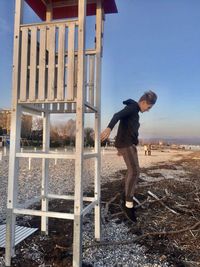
144, 106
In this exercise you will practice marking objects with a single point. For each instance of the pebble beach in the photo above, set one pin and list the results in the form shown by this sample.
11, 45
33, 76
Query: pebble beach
61, 181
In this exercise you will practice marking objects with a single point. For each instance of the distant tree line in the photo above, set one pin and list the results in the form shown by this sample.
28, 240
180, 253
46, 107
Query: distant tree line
61, 135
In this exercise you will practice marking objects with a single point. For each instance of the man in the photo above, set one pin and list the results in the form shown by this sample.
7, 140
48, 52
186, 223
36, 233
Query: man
127, 140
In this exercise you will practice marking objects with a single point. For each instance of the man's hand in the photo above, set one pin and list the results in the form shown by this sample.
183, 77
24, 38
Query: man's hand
105, 134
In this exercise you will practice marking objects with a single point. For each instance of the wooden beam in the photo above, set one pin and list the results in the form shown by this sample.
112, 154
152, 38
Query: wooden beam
98, 118
61, 62
49, 10
78, 201
24, 65
51, 63
33, 62
42, 64
70, 69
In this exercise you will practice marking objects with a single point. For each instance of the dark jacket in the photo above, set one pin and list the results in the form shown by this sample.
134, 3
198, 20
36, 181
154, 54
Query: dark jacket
127, 133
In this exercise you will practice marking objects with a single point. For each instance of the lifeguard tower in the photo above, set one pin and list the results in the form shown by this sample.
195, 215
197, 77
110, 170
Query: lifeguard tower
54, 72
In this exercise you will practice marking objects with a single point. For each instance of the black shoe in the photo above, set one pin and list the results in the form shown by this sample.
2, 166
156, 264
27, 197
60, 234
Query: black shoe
130, 213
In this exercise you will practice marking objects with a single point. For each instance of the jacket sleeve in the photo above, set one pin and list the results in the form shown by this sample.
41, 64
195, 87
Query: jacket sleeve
126, 112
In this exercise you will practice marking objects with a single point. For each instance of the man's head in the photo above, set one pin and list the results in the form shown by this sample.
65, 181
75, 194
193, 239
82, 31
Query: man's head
147, 100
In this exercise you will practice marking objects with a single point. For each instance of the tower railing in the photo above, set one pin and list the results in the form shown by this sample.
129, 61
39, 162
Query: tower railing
48, 65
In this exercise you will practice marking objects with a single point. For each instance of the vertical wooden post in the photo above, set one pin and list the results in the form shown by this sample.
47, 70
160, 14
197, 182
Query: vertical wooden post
14, 139
42, 64
78, 201
98, 118
70, 68
33, 65
45, 170
61, 63
49, 11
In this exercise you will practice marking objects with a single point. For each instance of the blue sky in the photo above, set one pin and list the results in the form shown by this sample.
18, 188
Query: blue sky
149, 44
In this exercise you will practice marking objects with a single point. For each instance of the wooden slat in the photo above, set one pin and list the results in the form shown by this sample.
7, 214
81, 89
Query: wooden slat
91, 80
33, 62
51, 64
99, 15
42, 64
75, 76
86, 79
24, 65
61, 62
70, 72
50, 23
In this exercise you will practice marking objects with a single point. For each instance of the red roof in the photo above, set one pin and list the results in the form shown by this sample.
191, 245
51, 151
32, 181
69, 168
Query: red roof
69, 11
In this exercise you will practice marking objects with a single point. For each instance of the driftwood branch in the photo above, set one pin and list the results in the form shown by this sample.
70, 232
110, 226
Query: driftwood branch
157, 198
163, 233
109, 202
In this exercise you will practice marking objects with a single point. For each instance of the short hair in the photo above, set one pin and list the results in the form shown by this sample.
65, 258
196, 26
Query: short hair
150, 97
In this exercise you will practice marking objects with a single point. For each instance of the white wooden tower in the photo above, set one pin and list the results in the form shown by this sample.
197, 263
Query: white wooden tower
53, 72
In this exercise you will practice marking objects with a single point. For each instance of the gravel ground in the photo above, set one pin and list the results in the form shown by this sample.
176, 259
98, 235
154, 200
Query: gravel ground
121, 255
61, 181
61, 175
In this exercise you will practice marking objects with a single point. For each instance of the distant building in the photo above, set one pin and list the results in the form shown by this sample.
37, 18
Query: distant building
5, 120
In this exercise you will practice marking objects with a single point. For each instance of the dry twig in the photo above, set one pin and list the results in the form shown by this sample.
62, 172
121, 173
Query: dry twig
157, 198
163, 233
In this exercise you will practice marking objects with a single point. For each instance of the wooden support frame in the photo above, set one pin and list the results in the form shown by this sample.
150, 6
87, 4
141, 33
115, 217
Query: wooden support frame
44, 98
99, 16
70, 65
15, 141
33, 63
78, 202
45, 171
61, 62
24, 64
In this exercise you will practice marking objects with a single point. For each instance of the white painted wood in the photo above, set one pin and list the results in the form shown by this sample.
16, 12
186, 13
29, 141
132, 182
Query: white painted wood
45, 171
75, 76
31, 110
88, 199
42, 155
98, 119
14, 139
78, 202
91, 80
61, 62
49, 11
51, 64
49, 214
90, 155
29, 164
51, 23
42, 64
24, 65
33, 62
70, 68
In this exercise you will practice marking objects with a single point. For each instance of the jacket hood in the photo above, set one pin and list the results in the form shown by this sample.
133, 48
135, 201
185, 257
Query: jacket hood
129, 102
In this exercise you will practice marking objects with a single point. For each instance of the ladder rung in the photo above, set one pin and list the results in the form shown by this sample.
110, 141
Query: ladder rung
90, 155
43, 155
49, 214
53, 196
